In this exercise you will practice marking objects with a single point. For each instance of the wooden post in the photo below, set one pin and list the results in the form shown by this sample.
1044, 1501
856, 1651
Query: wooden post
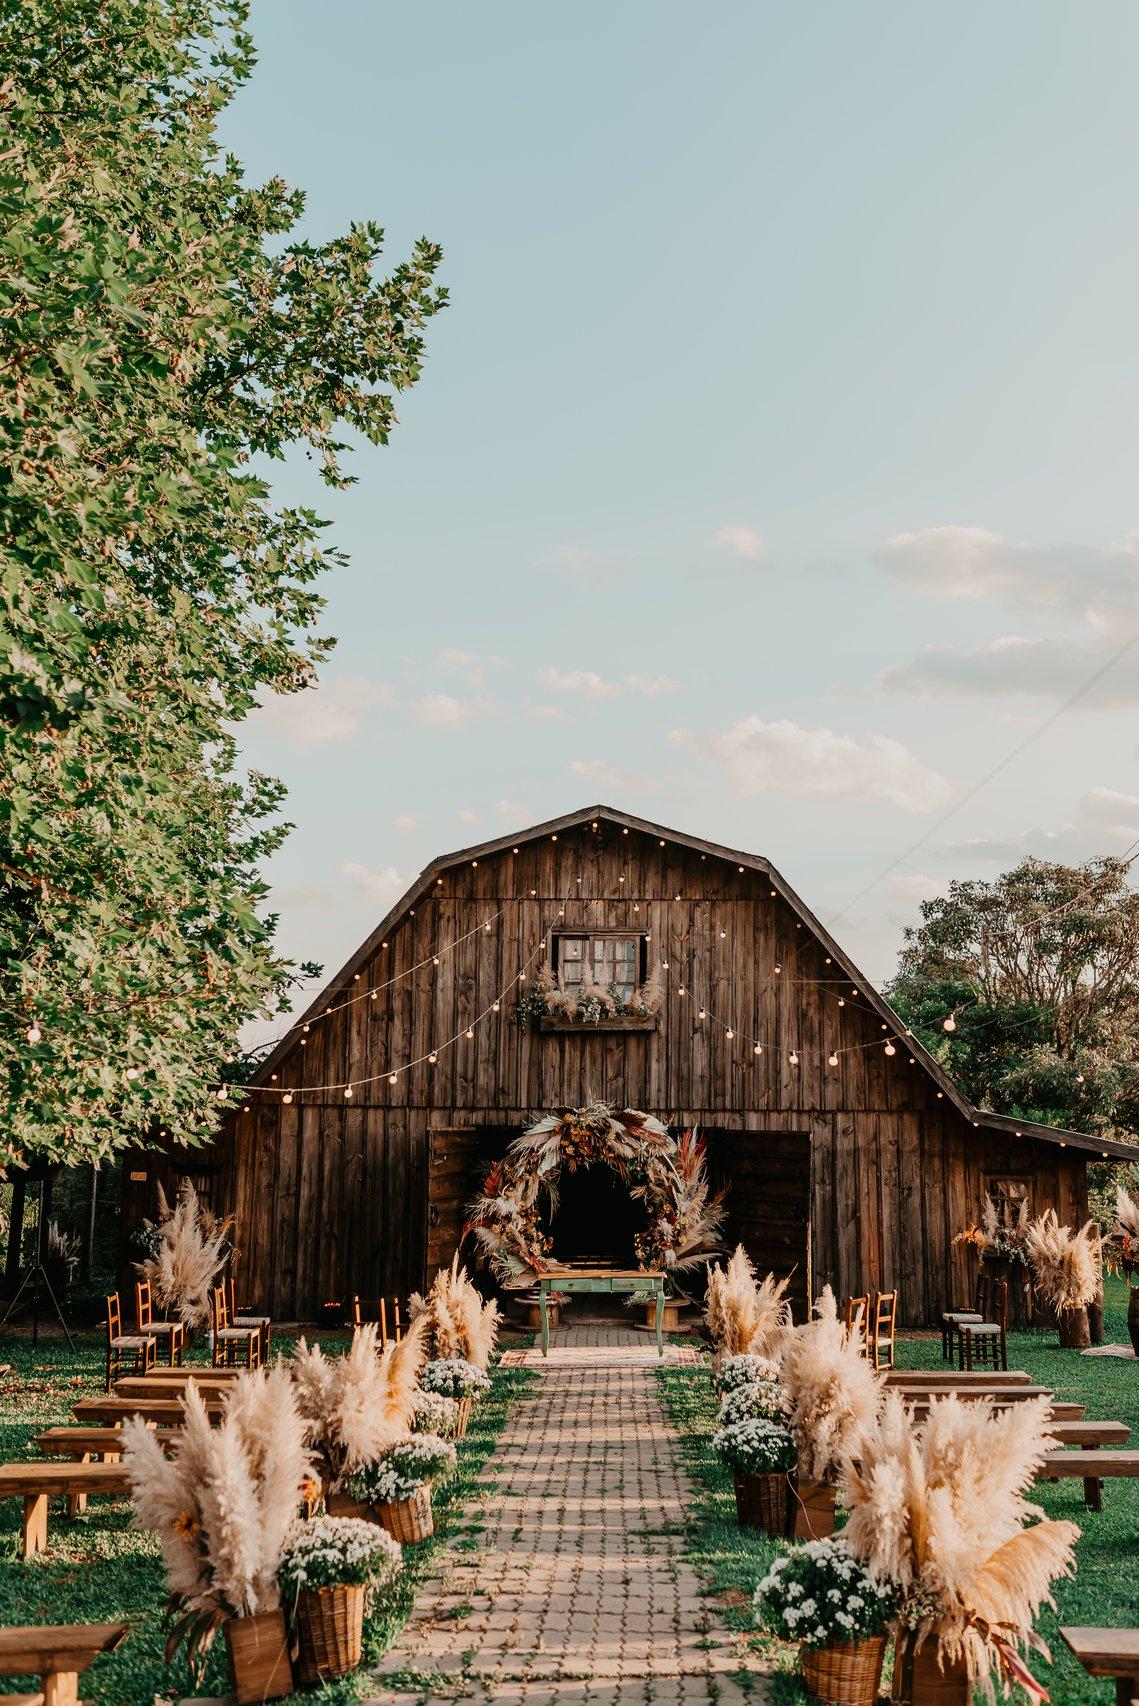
35, 1524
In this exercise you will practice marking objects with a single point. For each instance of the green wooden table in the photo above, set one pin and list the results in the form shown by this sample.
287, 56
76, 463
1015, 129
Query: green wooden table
599, 1281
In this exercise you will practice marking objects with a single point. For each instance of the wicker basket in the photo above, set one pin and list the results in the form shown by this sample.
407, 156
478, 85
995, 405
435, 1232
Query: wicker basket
919, 1679
330, 1628
342, 1504
848, 1674
463, 1418
259, 1665
762, 1501
408, 1520
812, 1508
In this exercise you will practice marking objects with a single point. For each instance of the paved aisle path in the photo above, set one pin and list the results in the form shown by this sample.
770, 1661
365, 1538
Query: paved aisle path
575, 1596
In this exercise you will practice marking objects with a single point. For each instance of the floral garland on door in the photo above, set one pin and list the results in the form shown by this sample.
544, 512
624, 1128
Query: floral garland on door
666, 1174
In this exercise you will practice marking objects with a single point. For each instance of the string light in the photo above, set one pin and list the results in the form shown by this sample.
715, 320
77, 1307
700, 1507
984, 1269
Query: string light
758, 1049
34, 1033
949, 1024
793, 1058
890, 1049
729, 1033
287, 1098
832, 1058
393, 1078
470, 1032
221, 1094
431, 1059
348, 1092
132, 1073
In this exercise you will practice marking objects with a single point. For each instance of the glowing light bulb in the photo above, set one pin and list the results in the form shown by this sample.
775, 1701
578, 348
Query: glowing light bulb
431, 1059
729, 1033
470, 1031
222, 1094
348, 1092
778, 970
703, 1013
793, 1058
393, 1078
1079, 1075
949, 1024
832, 1058
287, 1098
842, 1001
132, 1073
890, 1049
34, 1033
723, 933
435, 960
495, 1007
486, 928
758, 1049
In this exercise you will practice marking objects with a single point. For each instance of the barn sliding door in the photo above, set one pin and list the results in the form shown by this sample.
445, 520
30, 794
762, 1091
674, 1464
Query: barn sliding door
457, 1161
767, 1177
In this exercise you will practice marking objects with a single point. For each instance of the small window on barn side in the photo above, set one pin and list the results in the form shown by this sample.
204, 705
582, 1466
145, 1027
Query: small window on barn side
610, 960
1008, 1191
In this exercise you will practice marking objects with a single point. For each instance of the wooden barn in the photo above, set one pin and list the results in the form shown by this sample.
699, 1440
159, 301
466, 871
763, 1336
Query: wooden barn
847, 1154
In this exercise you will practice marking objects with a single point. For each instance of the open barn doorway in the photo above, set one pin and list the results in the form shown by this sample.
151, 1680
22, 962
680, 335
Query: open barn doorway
766, 1176
595, 1219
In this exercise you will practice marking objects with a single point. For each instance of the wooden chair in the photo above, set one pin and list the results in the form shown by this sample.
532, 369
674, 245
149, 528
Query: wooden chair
953, 1320
380, 1306
882, 1323
231, 1343
120, 1344
986, 1342
858, 1321
173, 1333
58, 1654
262, 1323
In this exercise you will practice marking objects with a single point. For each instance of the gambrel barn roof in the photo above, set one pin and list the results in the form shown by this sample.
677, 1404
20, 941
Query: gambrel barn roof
1004, 1124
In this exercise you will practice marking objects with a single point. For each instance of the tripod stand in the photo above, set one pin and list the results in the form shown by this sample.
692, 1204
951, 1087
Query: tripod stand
35, 1278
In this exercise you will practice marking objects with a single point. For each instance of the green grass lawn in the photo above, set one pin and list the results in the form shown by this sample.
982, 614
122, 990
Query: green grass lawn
97, 1570
1105, 1589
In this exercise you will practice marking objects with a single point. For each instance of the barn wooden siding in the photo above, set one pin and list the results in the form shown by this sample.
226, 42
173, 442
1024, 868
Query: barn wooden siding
332, 1196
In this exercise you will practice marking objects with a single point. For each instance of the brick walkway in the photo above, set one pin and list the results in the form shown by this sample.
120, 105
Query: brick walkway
576, 1595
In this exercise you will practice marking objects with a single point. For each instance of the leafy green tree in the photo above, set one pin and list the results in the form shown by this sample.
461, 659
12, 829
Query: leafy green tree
1037, 974
164, 333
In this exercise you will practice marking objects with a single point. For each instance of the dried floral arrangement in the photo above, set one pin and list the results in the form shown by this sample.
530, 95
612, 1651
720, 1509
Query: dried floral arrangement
458, 1324
588, 1002
354, 1406
1123, 1247
328, 1551
191, 1247
743, 1316
666, 1175
1066, 1266
223, 1502
820, 1594
937, 1511
833, 1394
1005, 1230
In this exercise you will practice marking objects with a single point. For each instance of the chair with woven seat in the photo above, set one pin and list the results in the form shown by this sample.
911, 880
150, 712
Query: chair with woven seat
985, 1343
952, 1321
380, 1316
172, 1334
263, 1323
231, 1344
858, 1321
120, 1344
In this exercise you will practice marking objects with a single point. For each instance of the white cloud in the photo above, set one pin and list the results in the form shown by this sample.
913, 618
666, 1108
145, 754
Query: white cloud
405, 820
470, 665
330, 711
784, 758
913, 887
742, 542
384, 886
441, 711
1108, 805
507, 811
1104, 822
1050, 668
651, 685
466, 815
1099, 585
608, 775
581, 681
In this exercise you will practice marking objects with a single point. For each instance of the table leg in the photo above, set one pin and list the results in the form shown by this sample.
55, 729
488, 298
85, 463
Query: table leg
544, 1307
660, 1320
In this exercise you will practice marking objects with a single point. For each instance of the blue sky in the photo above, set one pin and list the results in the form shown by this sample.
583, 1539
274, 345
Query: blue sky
773, 470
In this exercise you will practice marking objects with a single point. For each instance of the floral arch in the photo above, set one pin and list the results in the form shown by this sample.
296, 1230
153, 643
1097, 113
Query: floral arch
664, 1172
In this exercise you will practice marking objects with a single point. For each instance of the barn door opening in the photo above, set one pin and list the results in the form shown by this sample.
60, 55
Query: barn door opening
596, 1219
767, 1178
458, 1159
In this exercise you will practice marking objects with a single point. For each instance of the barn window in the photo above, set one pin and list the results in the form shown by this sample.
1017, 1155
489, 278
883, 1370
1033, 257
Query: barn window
1008, 1191
611, 959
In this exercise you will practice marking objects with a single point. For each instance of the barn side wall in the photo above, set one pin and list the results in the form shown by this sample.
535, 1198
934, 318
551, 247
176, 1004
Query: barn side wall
331, 1196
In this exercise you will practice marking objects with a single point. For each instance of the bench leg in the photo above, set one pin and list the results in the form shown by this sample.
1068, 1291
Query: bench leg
77, 1504
1093, 1498
61, 1688
1126, 1690
35, 1523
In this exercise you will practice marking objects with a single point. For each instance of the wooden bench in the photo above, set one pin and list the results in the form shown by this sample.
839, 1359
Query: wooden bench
962, 1378
1093, 1468
80, 1444
58, 1654
36, 1483
1090, 1434
992, 1391
1060, 1410
1108, 1652
213, 1383
162, 1412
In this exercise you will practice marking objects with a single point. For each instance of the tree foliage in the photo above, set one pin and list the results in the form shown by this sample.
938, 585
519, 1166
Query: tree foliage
163, 331
1040, 973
